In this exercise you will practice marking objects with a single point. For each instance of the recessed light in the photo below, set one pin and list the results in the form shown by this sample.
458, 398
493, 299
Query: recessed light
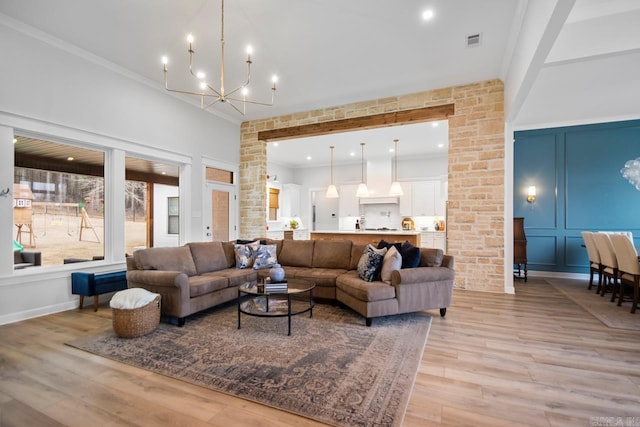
352, 154
70, 158
427, 14
440, 145
391, 150
15, 140
163, 173
308, 157
435, 124
275, 144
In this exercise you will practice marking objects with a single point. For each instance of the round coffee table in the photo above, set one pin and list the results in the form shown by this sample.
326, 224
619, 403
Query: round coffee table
279, 303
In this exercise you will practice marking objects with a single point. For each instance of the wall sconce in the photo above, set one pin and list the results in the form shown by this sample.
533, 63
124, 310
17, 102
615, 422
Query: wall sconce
531, 194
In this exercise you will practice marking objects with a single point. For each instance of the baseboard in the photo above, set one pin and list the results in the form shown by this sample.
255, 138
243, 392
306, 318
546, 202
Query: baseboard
558, 275
37, 312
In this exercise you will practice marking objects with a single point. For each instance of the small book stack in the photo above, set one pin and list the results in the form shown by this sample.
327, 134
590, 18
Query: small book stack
270, 286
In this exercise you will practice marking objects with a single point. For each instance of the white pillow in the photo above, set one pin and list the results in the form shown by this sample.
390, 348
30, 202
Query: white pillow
131, 298
392, 261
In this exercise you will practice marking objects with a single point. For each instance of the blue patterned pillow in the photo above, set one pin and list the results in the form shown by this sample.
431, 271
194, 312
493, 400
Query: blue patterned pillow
265, 257
370, 263
245, 254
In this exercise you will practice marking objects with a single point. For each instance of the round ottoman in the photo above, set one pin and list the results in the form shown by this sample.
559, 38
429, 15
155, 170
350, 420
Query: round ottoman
135, 312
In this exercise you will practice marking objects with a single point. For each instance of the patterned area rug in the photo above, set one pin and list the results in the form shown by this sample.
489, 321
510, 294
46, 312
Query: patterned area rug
600, 307
332, 369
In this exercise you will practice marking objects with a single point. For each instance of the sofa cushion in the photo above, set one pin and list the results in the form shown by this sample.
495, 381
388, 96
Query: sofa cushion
410, 255
236, 276
208, 256
265, 257
322, 277
431, 257
201, 285
370, 263
297, 253
332, 254
168, 259
392, 261
245, 254
357, 250
350, 283
229, 253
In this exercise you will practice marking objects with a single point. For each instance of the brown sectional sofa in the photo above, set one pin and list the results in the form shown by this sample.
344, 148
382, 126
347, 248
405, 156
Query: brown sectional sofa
200, 275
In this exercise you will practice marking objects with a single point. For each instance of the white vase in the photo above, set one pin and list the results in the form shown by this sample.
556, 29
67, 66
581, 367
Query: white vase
276, 274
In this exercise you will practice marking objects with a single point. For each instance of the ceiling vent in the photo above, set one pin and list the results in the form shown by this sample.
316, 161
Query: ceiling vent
473, 40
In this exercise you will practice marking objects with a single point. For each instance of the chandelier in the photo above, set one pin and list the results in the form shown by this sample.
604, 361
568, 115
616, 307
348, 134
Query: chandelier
211, 94
631, 172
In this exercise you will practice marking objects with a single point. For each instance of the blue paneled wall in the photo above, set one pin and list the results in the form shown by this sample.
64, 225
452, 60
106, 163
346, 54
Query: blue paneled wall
576, 171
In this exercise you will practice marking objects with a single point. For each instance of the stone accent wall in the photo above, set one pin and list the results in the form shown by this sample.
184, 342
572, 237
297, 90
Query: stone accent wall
476, 173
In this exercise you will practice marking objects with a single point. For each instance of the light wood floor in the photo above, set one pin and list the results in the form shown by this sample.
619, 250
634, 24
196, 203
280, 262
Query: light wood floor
534, 359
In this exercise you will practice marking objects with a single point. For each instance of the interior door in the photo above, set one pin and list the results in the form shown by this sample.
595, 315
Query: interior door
219, 219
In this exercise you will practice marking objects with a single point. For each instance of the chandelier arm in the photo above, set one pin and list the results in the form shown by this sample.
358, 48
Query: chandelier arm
247, 101
236, 108
218, 94
187, 92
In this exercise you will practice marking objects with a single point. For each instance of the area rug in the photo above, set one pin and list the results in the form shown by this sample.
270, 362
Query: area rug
331, 369
600, 307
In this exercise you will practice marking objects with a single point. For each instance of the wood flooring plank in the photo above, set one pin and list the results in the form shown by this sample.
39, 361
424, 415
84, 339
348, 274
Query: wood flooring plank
535, 358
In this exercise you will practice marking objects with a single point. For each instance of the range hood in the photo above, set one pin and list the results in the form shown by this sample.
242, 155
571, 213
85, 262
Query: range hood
379, 200
378, 183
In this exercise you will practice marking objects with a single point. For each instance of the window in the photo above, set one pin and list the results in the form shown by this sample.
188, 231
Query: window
274, 195
173, 221
58, 201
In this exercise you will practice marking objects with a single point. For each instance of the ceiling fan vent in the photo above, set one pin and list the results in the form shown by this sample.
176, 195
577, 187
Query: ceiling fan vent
473, 40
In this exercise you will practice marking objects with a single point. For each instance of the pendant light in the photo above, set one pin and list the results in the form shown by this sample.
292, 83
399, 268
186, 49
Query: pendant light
396, 188
362, 191
332, 191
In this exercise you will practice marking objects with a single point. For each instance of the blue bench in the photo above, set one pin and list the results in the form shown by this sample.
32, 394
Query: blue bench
91, 284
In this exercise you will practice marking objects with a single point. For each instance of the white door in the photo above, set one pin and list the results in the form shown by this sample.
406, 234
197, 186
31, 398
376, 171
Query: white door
219, 217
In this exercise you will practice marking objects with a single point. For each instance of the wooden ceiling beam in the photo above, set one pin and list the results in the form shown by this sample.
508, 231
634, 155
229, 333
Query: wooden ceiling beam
395, 118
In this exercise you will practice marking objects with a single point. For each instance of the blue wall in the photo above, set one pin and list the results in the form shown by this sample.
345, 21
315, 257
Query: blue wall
576, 171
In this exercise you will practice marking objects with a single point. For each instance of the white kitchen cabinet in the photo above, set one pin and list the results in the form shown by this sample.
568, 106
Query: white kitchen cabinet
421, 198
275, 234
433, 239
290, 200
301, 234
349, 204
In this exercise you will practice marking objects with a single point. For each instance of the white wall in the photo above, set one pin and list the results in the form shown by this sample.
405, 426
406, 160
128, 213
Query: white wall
51, 88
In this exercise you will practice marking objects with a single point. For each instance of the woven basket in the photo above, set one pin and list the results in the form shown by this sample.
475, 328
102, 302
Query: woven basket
135, 322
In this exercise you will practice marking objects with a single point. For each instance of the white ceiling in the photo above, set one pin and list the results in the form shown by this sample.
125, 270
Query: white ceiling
332, 52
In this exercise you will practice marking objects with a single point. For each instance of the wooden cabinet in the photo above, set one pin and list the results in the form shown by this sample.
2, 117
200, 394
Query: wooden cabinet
519, 249
349, 204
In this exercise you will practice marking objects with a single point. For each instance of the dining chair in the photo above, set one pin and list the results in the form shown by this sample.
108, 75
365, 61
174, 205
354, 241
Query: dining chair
608, 261
628, 267
594, 258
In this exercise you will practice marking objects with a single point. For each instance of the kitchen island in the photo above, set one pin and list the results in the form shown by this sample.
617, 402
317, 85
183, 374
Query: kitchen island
369, 236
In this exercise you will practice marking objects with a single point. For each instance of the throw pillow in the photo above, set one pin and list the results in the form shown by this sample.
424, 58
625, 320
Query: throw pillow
245, 254
265, 257
370, 263
392, 261
385, 244
410, 255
